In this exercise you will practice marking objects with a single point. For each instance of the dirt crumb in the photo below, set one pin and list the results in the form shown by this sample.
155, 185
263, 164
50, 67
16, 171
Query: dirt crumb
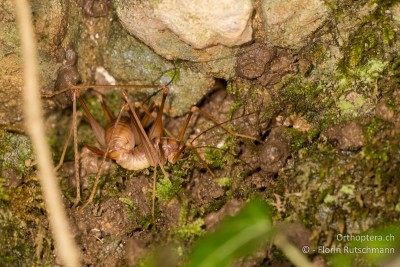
95, 8
298, 234
383, 111
135, 249
67, 76
347, 135
253, 59
229, 209
274, 152
281, 65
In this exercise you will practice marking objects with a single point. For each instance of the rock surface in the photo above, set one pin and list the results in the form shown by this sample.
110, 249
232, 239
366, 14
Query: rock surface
290, 23
267, 64
47, 25
140, 21
227, 23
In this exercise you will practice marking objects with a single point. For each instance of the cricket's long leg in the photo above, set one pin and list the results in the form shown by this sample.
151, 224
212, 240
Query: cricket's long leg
157, 127
156, 132
107, 112
147, 112
151, 154
148, 116
180, 139
184, 127
96, 127
76, 152
60, 163
97, 179
153, 195
182, 135
64, 151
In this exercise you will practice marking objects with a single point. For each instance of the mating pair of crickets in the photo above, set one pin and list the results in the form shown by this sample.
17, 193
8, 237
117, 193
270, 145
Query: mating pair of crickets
125, 139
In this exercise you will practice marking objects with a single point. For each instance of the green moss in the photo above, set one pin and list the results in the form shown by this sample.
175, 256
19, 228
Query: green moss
232, 89
302, 96
297, 88
129, 206
366, 53
223, 181
186, 230
191, 230
362, 76
181, 169
166, 189
23, 225
394, 70
350, 108
374, 148
384, 4
215, 158
3, 190
332, 182
389, 34
220, 157
318, 53
15, 151
371, 71
348, 189
174, 74
235, 106
17, 248
362, 42
299, 139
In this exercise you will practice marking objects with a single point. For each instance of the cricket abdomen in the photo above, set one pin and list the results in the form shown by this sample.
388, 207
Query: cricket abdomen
136, 159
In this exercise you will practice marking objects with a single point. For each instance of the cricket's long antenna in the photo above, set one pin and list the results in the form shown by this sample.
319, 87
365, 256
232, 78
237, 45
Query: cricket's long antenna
221, 123
166, 85
175, 72
100, 86
217, 148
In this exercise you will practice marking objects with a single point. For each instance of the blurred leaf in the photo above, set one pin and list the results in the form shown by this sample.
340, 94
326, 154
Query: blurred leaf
235, 237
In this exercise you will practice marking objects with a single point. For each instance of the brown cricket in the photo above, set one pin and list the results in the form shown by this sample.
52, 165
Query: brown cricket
125, 140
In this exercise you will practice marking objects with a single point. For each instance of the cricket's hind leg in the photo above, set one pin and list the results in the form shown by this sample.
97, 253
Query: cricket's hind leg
98, 130
104, 155
107, 112
152, 155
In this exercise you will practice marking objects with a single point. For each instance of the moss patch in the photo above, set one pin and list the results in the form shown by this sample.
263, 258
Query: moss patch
15, 152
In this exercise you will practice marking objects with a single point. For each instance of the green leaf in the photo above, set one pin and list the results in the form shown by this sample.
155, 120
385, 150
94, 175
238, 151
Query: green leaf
235, 237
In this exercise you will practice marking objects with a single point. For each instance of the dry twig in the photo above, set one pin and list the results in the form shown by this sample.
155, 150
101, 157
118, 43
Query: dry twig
66, 247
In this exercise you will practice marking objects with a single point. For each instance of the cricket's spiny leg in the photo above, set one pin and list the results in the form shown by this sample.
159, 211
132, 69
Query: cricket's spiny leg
76, 152
97, 179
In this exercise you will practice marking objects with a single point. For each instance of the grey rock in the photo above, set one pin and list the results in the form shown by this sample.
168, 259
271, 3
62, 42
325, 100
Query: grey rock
290, 23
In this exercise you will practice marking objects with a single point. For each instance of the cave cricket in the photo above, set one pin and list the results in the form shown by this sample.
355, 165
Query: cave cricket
125, 140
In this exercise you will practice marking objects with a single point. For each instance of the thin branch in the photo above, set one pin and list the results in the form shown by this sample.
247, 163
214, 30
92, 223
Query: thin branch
66, 247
